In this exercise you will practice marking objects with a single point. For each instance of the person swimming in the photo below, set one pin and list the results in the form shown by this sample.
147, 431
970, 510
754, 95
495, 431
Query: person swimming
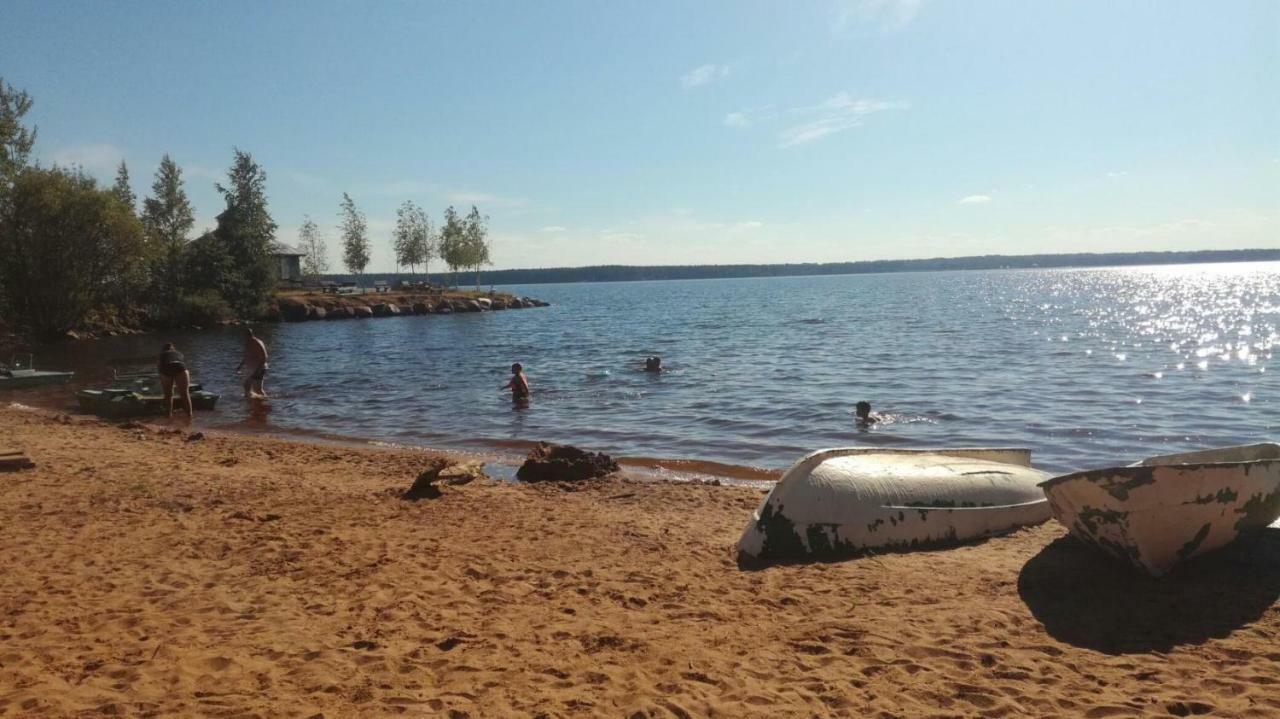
653, 364
173, 372
519, 384
865, 417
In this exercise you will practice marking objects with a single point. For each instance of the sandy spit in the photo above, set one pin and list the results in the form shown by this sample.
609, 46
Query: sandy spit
144, 574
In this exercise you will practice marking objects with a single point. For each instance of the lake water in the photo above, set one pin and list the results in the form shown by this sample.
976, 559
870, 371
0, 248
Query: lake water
1085, 367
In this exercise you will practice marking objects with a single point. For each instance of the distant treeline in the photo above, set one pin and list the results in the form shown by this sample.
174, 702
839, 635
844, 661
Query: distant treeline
628, 273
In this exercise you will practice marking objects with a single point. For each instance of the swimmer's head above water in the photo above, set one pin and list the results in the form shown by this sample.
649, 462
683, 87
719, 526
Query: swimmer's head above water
516, 368
863, 412
653, 364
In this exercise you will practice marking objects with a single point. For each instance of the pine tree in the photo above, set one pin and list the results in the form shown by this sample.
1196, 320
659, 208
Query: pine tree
247, 232
167, 219
123, 190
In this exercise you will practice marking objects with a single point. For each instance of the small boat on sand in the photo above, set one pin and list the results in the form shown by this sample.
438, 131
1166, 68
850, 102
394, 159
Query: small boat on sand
21, 374
135, 395
1167, 509
838, 502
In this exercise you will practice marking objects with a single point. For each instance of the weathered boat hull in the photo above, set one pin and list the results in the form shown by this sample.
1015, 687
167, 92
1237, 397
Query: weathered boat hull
22, 379
121, 403
1166, 510
843, 501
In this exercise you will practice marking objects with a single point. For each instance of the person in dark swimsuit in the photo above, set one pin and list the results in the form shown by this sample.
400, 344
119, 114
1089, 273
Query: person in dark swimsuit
173, 371
519, 384
653, 364
865, 417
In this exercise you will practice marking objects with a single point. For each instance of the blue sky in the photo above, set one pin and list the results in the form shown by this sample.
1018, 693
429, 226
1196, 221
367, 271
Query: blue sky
689, 132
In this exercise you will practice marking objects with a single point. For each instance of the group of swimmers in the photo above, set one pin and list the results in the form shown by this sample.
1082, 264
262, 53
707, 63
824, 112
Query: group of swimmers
174, 374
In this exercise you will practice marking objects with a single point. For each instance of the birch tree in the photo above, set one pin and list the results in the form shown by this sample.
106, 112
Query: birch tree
355, 237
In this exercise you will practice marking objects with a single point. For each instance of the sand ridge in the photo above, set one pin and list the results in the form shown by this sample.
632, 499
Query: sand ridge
145, 574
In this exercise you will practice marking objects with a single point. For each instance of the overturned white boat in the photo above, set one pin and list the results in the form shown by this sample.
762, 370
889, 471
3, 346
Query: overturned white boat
842, 501
1168, 509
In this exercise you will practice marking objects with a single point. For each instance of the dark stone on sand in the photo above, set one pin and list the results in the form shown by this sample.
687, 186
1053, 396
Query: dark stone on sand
362, 312
385, 309
440, 472
421, 308
560, 462
473, 306
315, 312
444, 307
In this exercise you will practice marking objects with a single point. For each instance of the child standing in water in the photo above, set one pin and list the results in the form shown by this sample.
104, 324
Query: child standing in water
519, 384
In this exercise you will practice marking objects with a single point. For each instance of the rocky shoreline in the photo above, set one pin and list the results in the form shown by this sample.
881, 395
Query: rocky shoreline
302, 308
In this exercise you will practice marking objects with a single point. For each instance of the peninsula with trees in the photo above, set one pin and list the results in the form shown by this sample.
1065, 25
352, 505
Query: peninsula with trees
80, 259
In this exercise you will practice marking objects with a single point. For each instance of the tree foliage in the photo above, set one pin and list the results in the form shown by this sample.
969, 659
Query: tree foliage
68, 248
315, 251
123, 190
413, 241
453, 242
355, 237
167, 219
16, 140
246, 231
475, 242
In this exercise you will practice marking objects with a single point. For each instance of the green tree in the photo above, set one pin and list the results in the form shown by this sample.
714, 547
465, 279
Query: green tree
475, 242
123, 190
453, 248
167, 219
68, 248
412, 238
15, 149
315, 257
247, 231
15, 139
355, 237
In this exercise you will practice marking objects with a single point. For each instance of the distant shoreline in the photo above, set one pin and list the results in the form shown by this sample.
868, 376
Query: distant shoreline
639, 273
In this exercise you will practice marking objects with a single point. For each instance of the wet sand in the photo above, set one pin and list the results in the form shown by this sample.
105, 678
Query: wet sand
146, 574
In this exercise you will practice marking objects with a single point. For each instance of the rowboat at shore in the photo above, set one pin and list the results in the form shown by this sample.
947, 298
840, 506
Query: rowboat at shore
838, 502
1165, 510
136, 395
21, 374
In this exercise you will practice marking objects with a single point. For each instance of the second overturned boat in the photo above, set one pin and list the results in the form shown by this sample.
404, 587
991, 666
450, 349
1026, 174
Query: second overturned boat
1167, 509
841, 501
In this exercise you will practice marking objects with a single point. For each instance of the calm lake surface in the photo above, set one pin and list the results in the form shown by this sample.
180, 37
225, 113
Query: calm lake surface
1085, 367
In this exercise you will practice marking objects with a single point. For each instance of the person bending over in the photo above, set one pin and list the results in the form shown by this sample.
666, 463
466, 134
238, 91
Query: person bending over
255, 358
173, 371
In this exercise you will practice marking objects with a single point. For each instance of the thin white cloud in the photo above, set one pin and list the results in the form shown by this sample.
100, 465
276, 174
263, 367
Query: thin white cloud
885, 15
1117, 173
837, 113
554, 228
485, 198
975, 200
737, 119
703, 75
99, 159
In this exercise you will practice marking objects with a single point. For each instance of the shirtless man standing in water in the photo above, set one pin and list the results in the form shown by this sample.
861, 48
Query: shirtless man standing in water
255, 356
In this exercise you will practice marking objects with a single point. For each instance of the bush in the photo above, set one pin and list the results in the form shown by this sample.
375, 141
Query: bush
201, 308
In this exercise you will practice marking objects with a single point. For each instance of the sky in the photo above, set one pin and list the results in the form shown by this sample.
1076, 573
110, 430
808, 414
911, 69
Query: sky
679, 132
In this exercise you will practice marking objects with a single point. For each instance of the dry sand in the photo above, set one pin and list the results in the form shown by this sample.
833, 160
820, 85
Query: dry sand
142, 574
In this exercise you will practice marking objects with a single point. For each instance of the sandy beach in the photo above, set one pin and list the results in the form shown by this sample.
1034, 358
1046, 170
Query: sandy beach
149, 573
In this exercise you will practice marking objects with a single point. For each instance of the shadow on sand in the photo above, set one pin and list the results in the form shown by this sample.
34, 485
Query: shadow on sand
1089, 600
